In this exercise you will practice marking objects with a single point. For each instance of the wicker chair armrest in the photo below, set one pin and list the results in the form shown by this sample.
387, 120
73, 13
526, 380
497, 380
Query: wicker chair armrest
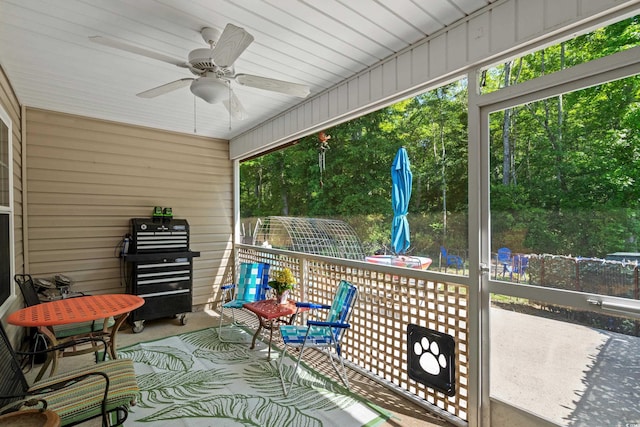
29, 402
63, 345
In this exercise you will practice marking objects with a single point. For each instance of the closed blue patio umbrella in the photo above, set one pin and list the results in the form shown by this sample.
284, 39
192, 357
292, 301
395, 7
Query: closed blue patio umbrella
401, 178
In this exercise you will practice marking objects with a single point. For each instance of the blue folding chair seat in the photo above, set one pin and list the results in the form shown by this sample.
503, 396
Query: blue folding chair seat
504, 258
252, 286
323, 335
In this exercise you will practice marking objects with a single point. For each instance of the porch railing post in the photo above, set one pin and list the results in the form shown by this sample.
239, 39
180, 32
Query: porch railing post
636, 289
304, 279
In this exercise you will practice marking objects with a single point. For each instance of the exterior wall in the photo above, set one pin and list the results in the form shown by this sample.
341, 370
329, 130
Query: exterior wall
10, 104
87, 178
503, 29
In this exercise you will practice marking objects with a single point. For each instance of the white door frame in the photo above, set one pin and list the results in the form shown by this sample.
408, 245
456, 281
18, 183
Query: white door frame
599, 71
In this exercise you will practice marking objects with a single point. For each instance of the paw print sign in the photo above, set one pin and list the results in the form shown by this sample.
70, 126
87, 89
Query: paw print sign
431, 358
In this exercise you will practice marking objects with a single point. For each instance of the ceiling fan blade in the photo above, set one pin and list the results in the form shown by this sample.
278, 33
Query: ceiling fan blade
166, 88
234, 107
233, 41
105, 41
288, 88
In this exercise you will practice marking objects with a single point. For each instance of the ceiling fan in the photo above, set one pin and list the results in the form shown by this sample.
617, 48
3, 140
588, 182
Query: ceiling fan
213, 68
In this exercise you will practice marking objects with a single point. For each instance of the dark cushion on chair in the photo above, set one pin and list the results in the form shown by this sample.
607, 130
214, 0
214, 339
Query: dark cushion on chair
81, 328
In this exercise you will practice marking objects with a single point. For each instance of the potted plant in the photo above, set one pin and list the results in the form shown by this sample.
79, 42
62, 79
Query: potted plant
282, 282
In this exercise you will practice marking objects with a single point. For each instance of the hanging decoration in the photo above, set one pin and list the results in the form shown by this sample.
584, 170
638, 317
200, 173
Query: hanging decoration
324, 146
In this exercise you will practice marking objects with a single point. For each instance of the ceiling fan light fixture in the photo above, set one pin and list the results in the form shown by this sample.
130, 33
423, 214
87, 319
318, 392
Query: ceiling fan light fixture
211, 89
210, 35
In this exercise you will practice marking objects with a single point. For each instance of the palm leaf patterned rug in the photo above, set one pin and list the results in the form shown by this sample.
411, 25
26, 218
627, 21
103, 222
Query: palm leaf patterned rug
193, 379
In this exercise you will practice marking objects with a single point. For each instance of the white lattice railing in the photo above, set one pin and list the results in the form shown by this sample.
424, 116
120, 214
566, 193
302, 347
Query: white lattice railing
389, 299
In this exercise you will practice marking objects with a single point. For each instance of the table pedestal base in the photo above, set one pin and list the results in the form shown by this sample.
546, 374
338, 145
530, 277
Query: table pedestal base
270, 324
270, 315
109, 337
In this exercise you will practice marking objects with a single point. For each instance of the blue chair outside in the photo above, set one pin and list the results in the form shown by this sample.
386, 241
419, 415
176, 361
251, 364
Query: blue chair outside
450, 260
251, 287
324, 335
504, 258
520, 264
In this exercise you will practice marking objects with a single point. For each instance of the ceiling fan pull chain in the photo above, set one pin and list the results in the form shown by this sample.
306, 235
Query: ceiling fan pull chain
195, 130
230, 106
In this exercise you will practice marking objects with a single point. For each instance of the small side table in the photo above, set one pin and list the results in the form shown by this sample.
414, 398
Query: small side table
30, 418
270, 314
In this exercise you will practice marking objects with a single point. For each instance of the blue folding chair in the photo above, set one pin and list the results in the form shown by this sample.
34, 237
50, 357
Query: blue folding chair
504, 258
323, 335
252, 286
520, 264
451, 259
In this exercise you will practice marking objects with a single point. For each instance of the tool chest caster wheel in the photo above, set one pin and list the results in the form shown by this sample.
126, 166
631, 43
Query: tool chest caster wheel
138, 326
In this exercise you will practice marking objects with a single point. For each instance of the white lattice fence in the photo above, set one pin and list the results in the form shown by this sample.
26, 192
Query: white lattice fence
389, 299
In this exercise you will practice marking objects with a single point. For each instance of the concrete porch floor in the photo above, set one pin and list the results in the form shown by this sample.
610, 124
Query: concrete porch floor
405, 413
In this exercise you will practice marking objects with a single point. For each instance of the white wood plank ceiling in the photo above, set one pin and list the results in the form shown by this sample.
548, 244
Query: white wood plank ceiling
46, 52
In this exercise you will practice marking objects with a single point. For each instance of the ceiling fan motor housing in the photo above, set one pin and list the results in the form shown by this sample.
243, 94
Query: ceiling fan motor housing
201, 59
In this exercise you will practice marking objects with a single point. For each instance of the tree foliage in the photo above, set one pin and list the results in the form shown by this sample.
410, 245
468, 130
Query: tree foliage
564, 171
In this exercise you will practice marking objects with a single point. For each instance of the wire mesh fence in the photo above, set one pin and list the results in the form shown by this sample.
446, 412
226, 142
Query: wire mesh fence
593, 275
319, 236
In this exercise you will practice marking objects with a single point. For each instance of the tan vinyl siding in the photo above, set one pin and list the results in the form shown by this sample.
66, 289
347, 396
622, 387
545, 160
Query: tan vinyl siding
10, 104
87, 178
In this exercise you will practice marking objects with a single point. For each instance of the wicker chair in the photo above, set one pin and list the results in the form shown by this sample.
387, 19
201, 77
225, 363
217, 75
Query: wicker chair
82, 394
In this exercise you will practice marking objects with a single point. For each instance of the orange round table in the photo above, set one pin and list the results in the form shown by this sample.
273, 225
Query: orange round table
74, 310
